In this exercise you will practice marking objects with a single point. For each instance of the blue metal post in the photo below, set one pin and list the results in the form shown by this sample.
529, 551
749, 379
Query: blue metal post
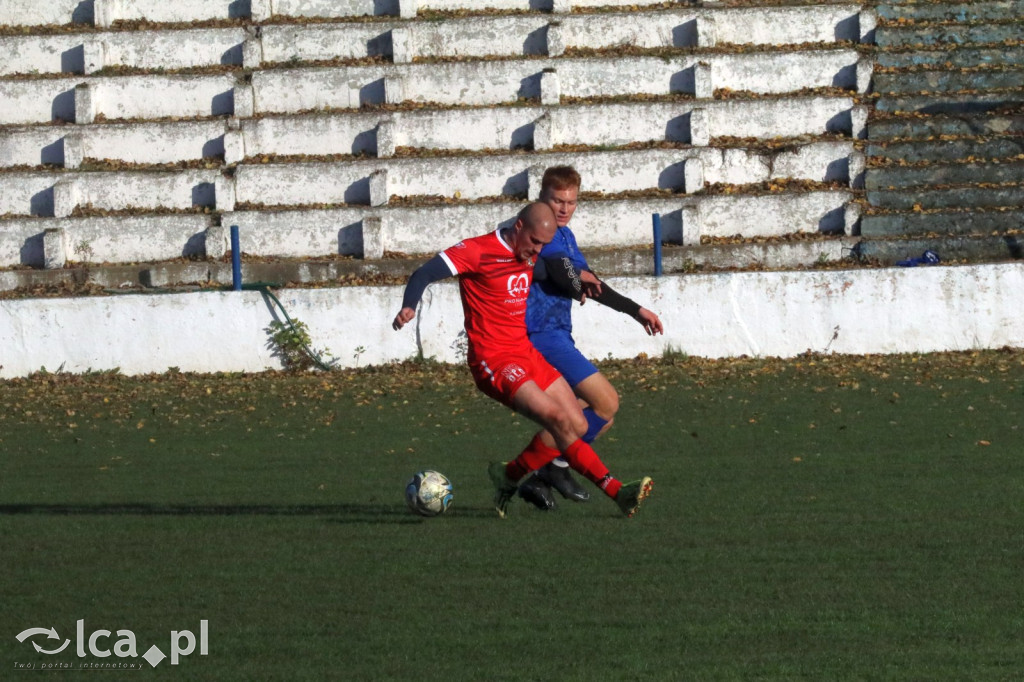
236, 260
657, 244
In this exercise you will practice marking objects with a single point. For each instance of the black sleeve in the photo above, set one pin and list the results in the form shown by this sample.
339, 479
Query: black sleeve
562, 273
566, 277
617, 301
433, 270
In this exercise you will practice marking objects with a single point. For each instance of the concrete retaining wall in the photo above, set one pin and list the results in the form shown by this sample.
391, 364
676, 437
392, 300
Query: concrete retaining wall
757, 314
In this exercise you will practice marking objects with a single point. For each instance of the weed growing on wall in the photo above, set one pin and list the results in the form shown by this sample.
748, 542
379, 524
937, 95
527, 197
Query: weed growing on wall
291, 344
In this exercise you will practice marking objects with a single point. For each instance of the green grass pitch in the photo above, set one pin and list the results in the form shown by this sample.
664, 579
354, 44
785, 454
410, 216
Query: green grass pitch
815, 518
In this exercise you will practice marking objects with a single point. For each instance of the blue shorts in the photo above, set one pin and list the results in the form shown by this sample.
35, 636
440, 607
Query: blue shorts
560, 350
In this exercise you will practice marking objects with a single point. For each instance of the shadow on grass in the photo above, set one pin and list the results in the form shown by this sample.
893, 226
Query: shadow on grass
338, 513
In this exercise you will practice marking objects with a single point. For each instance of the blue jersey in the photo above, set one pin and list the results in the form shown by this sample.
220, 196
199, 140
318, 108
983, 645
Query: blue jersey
548, 308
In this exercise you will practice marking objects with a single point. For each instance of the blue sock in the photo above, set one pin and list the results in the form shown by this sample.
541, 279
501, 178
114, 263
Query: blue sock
594, 425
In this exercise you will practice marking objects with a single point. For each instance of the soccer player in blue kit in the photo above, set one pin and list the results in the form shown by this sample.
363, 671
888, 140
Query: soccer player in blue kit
549, 325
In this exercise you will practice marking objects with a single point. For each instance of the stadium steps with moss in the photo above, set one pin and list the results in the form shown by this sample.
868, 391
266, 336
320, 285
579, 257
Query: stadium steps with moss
945, 151
348, 144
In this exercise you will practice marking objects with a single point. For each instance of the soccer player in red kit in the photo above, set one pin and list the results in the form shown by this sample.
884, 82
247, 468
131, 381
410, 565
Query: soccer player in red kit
495, 271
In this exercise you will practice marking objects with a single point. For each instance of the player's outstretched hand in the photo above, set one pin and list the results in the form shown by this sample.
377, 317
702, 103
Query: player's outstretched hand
651, 322
403, 316
591, 286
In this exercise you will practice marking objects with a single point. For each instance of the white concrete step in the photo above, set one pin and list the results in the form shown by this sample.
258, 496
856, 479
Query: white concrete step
491, 82
551, 35
149, 142
51, 12
83, 99
101, 239
374, 181
370, 232
90, 52
104, 13
473, 129
59, 193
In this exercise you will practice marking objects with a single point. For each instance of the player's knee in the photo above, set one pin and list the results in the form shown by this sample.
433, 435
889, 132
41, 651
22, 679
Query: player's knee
579, 423
567, 425
607, 406
613, 406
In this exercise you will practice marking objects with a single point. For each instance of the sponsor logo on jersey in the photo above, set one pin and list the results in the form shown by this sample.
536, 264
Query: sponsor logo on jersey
519, 285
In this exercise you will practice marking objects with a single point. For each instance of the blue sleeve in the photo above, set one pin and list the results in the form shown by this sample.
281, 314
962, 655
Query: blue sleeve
564, 246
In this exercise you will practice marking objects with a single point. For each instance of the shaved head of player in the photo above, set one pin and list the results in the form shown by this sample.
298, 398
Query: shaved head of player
535, 227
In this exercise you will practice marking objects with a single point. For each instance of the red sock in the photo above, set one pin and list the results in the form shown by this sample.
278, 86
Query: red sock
536, 455
584, 460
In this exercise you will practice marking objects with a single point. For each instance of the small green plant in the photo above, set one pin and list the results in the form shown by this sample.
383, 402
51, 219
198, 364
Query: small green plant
674, 355
689, 265
461, 346
43, 372
291, 344
83, 250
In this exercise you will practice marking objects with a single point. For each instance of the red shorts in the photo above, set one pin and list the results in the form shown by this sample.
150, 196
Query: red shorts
502, 374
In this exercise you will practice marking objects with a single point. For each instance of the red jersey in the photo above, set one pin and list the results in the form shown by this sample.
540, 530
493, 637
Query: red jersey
494, 286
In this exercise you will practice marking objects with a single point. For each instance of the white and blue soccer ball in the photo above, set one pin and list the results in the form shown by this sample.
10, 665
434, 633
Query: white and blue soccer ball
429, 493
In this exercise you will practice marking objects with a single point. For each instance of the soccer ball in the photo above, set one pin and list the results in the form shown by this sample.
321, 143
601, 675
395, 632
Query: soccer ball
428, 493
